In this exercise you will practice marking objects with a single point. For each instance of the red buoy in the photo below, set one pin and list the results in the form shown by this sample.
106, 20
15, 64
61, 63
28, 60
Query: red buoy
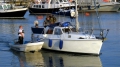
39, 17
87, 14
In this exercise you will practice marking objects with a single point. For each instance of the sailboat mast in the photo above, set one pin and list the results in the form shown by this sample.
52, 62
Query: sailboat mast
76, 20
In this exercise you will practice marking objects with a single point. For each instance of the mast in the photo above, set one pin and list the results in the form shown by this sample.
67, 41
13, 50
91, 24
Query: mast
76, 20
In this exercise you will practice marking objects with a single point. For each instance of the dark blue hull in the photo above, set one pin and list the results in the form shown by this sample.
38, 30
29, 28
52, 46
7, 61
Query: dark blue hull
42, 11
13, 14
46, 10
62, 13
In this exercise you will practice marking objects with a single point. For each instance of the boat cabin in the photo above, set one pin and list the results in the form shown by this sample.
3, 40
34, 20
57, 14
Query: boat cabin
6, 6
56, 28
51, 4
60, 28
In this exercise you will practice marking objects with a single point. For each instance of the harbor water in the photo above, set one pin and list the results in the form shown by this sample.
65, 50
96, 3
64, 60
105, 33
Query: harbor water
110, 51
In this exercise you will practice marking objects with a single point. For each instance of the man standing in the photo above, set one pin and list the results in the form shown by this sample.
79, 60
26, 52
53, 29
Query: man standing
21, 35
47, 21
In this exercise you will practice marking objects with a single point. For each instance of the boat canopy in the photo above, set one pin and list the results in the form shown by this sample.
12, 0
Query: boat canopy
61, 24
37, 30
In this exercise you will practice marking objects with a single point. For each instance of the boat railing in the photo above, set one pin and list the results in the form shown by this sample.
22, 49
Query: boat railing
99, 33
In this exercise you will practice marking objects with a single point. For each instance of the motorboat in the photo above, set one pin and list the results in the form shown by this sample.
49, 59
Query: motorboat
35, 44
12, 11
65, 37
49, 6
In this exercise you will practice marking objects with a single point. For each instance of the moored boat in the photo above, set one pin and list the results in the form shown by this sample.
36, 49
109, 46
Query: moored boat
11, 11
49, 6
65, 37
102, 5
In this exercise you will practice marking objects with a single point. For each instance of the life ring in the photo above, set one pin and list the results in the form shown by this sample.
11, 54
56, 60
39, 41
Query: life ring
61, 44
50, 43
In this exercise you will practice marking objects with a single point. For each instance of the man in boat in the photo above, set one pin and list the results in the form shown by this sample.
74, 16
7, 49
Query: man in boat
20, 34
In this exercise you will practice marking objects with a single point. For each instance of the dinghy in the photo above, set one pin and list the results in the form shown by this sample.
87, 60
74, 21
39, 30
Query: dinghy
29, 46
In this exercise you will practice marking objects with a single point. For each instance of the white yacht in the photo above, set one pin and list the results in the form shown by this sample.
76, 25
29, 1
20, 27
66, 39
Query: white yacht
65, 37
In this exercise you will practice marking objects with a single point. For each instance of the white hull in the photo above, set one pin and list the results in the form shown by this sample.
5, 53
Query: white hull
109, 8
27, 47
90, 46
104, 6
112, 8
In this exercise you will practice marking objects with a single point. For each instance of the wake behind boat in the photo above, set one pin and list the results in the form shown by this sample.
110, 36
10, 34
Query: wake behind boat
12, 11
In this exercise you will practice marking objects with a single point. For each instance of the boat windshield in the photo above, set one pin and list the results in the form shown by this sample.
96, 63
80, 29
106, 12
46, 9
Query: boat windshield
5, 7
57, 31
117, 0
65, 30
8, 6
38, 6
65, 0
1, 7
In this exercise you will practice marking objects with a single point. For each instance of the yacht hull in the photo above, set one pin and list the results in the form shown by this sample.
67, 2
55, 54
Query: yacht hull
89, 46
42, 11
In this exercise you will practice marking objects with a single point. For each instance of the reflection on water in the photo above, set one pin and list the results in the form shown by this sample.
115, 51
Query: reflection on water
54, 59
30, 59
